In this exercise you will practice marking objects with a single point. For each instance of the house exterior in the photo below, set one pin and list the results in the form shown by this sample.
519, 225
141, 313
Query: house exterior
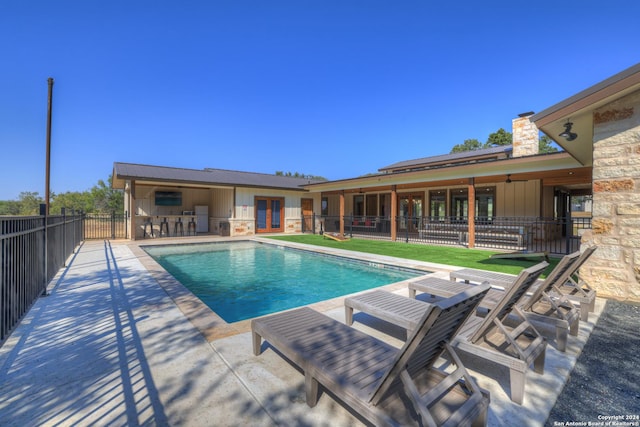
509, 197
606, 120
165, 201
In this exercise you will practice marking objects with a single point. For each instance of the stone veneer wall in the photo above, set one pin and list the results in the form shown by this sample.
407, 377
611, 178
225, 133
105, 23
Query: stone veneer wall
244, 227
525, 137
614, 268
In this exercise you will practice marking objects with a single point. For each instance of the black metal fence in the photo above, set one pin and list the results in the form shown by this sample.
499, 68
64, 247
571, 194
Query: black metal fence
369, 227
106, 226
32, 250
552, 235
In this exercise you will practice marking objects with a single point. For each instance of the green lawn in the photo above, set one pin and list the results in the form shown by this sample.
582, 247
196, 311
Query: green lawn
471, 258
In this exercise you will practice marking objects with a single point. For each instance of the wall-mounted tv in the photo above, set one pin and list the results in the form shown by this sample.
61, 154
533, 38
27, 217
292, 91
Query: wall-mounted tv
168, 198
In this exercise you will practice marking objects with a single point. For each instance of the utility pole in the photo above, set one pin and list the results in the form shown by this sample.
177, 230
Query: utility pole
48, 171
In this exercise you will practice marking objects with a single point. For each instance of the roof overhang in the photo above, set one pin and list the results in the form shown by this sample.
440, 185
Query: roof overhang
579, 109
529, 167
190, 178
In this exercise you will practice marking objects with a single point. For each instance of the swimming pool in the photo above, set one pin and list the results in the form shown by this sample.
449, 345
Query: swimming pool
242, 280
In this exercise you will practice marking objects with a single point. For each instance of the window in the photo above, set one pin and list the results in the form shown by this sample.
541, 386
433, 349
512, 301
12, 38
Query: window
358, 205
485, 203
324, 206
372, 205
459, 204
581, 203
276, 205
385, 202
438, 205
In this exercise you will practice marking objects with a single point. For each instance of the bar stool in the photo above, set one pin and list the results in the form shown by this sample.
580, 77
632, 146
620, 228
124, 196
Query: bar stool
180, 225
191, 225
164, 225
147, 223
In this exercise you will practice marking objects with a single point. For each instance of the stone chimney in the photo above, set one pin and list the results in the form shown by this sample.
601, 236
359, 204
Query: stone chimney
525, 136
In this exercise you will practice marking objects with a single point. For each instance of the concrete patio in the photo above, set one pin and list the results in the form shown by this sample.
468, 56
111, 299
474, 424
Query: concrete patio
119, 342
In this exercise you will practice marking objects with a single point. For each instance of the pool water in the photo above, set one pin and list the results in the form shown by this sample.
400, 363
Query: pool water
242, 280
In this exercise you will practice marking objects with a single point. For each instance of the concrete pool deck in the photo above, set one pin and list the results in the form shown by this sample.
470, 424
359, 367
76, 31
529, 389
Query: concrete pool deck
118, 341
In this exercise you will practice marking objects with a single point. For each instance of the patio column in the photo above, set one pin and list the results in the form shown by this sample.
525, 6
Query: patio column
471, 213
342, 213
132, 210
394, 212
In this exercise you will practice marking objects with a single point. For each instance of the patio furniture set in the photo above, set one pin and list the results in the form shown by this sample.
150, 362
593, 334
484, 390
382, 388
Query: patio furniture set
506, 234
496, 318
179, 222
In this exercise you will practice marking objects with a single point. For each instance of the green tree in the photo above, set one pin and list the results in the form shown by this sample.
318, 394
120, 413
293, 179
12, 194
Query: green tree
30, 203
75, 201
101, 198
9, 207
499, 138
301, 175
106, 199
468, 145
545, 145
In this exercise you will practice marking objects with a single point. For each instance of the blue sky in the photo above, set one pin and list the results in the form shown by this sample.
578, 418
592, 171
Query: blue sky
331, 88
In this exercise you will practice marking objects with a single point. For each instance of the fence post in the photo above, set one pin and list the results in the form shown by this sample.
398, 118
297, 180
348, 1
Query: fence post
113, 225
406, 228
84, 219
567, 234
63, 211
313, 223
73, 227
45, 231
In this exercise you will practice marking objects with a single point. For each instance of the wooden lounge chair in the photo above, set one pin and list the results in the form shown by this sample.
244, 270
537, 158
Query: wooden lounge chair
504, 336
546, 310
566, 282
555, 316
384, 384
578, 290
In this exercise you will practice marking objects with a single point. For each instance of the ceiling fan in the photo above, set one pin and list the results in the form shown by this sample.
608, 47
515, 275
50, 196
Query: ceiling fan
509, 180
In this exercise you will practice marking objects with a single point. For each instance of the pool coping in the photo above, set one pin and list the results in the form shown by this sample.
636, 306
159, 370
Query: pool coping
213, 327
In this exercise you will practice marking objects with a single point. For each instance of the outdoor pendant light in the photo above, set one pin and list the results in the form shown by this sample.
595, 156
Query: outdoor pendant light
567, 134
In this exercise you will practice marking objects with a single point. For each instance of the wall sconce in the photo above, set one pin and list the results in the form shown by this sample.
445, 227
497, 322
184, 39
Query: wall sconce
567, 134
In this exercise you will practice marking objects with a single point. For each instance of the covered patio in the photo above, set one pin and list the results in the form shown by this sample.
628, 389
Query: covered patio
492, 198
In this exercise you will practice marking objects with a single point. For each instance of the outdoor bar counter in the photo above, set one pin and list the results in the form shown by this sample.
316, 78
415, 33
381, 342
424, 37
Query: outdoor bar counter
147, 226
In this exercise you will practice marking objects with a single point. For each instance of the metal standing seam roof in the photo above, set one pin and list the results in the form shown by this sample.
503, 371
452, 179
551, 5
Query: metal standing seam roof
620, 81
452, 158
208, 176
